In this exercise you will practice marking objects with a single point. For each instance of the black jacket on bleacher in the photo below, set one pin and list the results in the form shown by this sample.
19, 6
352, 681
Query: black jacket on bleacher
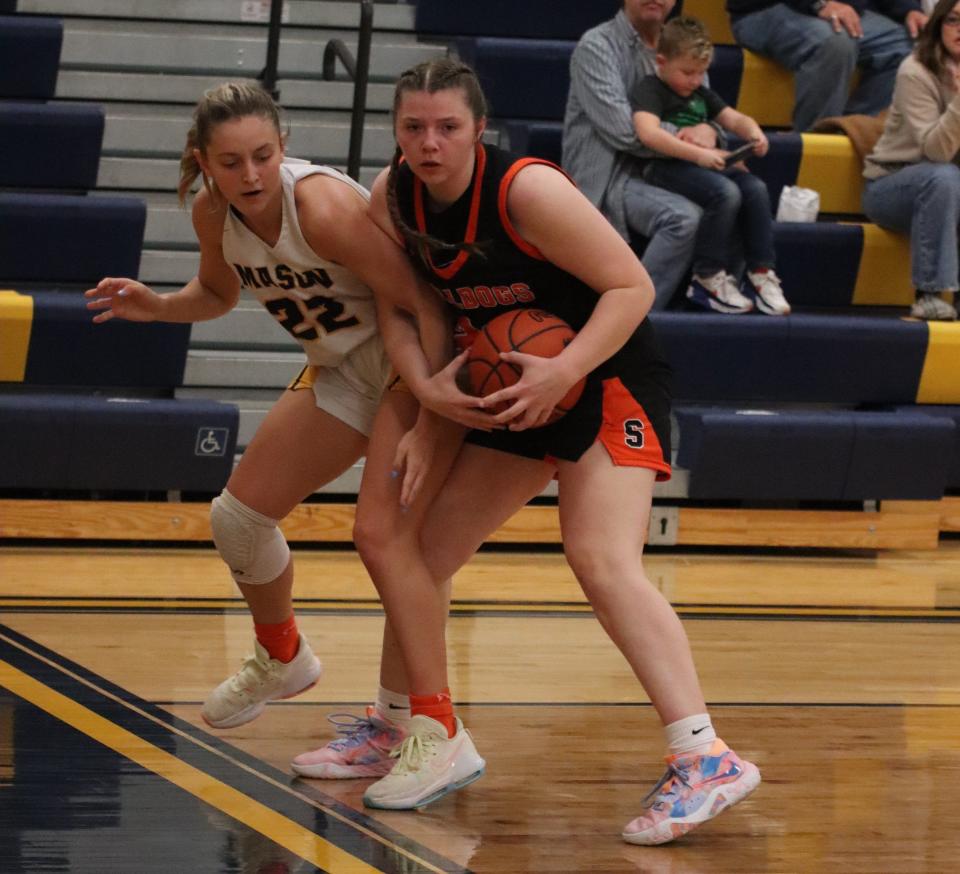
895, 9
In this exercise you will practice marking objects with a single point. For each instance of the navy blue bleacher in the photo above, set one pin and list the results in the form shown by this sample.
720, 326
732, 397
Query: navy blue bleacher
50, 145
952, 414
801, 358
542, 19
83, 406
66, 238
68, 349
828, 455
30, 49
522, 78
75, 442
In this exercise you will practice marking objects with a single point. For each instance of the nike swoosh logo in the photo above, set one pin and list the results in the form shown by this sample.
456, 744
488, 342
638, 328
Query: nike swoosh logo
734, 772
698, 730
396, 707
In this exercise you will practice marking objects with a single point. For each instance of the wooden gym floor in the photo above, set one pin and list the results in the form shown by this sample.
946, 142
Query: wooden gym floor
839, 674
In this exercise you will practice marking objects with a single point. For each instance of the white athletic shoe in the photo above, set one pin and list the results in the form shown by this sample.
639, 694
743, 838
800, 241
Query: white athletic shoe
242, 697
767, 293
930, 307
429, 765
720, 293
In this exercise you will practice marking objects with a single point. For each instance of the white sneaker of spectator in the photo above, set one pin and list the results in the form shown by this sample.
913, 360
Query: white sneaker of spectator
930, 307
719, 293
764, 286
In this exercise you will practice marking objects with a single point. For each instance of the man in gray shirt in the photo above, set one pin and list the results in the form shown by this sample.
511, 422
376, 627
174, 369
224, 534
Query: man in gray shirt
600, 147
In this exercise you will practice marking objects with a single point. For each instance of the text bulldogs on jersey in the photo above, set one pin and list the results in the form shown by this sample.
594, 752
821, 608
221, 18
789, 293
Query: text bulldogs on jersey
471, 298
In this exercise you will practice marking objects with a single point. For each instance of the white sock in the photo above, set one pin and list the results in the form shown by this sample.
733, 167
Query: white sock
393, 706
692, 734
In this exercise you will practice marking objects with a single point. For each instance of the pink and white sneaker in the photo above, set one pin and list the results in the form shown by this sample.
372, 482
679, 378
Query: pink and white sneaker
362, 751
694, 789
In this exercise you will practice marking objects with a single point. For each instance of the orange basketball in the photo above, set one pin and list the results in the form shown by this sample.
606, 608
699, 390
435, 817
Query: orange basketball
534, 332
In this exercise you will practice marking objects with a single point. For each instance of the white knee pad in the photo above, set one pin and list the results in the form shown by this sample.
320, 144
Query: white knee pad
249, 542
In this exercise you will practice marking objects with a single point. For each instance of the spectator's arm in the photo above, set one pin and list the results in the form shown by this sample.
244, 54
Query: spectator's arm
744, 127
937, 133
738, 123
654, 137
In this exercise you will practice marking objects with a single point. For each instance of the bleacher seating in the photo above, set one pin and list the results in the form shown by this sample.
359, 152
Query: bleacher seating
61, 346
823, 455
117, 444
50, 145
811, 407
804, 358
83, 406
30, 48
843, 365
541, 19
64, 238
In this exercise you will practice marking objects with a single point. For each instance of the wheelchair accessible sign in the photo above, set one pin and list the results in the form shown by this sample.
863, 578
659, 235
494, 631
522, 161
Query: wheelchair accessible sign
211, 442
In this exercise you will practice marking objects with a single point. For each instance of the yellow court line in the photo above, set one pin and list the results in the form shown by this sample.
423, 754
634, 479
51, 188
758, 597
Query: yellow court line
334, 814
257, 816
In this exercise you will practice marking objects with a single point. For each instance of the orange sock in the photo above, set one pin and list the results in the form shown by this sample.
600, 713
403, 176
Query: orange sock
281, 639
438, 707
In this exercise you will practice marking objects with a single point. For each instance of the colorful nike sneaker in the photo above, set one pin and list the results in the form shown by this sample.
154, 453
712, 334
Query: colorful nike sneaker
363, 750
694, 789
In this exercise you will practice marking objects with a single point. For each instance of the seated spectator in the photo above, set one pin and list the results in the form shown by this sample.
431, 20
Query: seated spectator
736, 205
913, 178
822, 42
600, 148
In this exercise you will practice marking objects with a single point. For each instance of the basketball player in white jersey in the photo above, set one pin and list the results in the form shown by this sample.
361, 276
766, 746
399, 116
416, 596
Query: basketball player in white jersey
298, 237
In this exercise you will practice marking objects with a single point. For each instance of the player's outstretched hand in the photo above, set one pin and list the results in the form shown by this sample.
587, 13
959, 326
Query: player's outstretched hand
542, 385
123, 298
443, 396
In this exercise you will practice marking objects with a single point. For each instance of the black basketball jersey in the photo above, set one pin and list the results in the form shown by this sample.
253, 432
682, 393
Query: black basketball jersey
509, 273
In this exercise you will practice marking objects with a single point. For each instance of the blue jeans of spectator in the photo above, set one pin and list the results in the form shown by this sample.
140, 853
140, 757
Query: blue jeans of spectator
922, 200
823, 61
669, 222
736, 214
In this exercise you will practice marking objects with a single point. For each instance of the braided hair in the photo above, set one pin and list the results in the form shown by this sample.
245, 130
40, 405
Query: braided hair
439, 74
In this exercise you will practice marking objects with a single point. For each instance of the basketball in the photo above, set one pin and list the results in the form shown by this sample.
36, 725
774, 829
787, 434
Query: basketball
534, 332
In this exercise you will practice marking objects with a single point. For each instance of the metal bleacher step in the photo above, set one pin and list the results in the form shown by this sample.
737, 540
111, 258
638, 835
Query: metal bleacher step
227, 50
239, 368
185, 88
296, 13
160, 174
160, 130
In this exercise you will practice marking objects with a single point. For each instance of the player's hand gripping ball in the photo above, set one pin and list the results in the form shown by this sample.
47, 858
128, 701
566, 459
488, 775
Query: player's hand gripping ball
531, 331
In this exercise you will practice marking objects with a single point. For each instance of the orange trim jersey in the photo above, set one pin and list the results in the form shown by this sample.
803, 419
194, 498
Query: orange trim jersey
626, 403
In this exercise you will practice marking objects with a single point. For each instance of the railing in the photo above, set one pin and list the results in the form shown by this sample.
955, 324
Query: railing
268, 78
357, 69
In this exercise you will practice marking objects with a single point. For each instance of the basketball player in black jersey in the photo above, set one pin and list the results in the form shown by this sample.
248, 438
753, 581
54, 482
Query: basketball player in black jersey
492, 233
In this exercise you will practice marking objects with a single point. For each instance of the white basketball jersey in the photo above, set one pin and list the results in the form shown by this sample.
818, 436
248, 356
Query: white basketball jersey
323, 305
